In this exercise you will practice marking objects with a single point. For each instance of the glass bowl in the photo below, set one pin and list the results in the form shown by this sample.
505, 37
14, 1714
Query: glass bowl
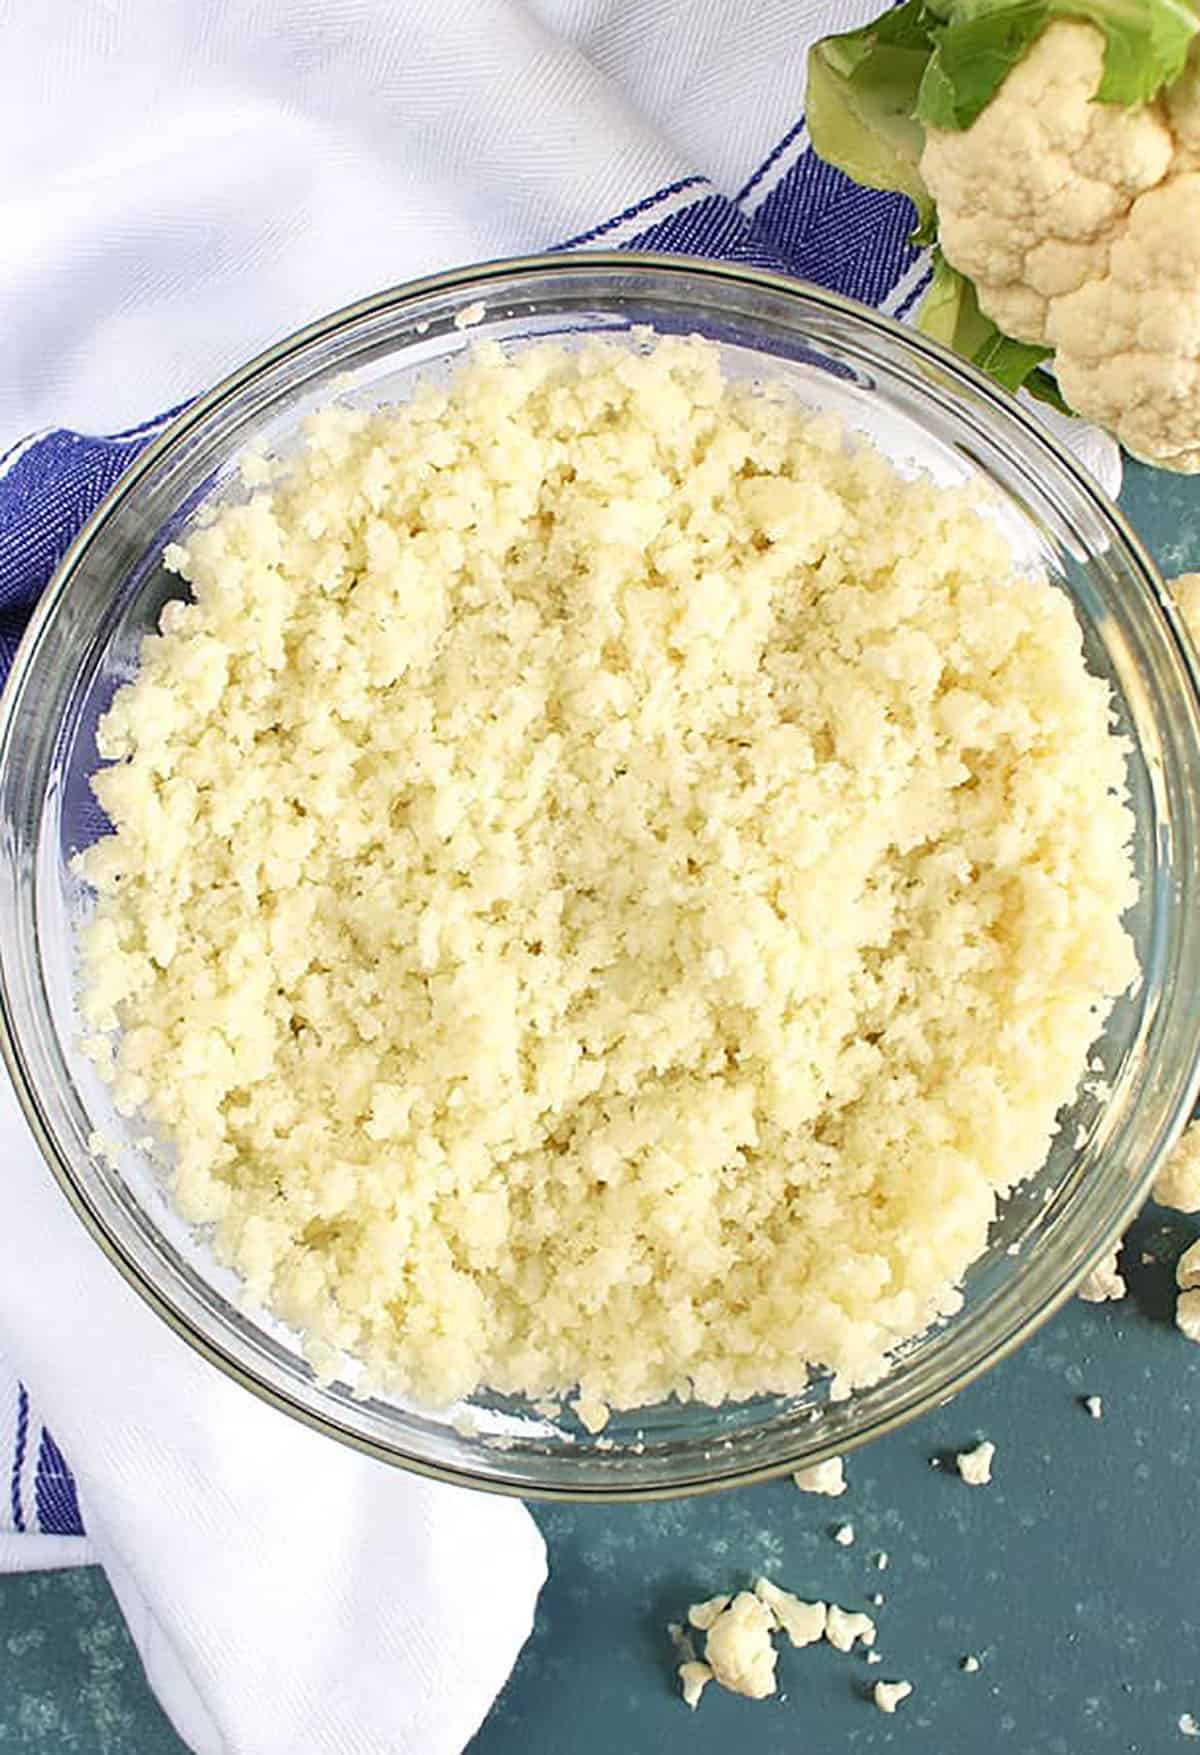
926, 410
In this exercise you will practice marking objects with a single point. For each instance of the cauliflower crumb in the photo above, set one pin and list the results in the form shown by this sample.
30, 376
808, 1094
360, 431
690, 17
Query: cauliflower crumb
975, 1466
804, 1623
104, 1149
1187, 1314
844, 1626
738, 1648
1187, 1268
1095, 1406
1104, 1282
471, 315
827, 1477
592, 1413
1178, 1182
843, 1535
702, 1615
1185, 589
888, 1695
607, 887
694, 1677
970, 1664
1188, 1725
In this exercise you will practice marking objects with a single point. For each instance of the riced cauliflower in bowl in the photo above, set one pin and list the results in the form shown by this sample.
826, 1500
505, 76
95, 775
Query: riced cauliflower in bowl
636, 933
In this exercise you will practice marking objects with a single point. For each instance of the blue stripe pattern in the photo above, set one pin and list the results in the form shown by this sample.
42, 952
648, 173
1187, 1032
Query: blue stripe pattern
598, 232
54, 1492
18, 1463
810, 222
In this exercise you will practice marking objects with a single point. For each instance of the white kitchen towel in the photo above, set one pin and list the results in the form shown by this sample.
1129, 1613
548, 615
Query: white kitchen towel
185, 181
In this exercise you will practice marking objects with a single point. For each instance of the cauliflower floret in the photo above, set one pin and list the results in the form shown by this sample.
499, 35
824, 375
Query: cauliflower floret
1079, 223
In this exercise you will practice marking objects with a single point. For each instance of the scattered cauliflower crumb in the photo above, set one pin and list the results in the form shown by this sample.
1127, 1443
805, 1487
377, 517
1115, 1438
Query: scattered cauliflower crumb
592, 1413
470, 315
881, 1560
1187, 1314
843, 1535
824, 1477
1185, 589
702, 1615
1178, 1182
1187, 1304
844, 1626
878, 1599
874, 1657
693, 1679
587, 844
1187, 1268
1104, 1282
970, 1664
693, 1676
104, 1148
738, 1648
804, 1623
888, 1695
1095, 1406
1188, 1725
975, 1466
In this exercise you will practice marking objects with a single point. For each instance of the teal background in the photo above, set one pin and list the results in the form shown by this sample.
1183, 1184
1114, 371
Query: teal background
1075, 1577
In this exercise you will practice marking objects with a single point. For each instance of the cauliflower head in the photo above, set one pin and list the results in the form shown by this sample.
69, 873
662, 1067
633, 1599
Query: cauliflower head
1079, 224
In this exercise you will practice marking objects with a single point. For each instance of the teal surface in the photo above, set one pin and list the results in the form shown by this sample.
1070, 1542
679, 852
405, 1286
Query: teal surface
1074, 1577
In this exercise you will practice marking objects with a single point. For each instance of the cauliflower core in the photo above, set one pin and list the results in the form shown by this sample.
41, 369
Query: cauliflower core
1079, 223
608, 884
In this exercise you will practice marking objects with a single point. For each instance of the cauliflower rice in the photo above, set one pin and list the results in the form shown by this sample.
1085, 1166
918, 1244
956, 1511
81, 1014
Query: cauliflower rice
608, 884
